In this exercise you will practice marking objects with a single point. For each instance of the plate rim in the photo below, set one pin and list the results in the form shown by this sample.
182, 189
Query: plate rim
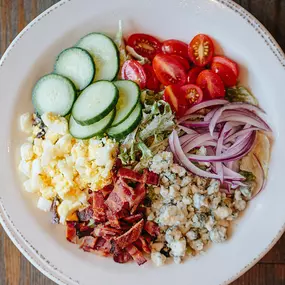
19, 240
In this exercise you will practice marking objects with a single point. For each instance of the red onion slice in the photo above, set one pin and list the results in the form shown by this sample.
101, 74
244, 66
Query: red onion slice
182, 158
206, 104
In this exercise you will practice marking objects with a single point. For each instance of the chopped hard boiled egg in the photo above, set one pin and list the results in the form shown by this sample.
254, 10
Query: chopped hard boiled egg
60, 166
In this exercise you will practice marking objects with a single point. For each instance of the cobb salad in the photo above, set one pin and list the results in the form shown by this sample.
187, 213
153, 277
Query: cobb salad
142, 148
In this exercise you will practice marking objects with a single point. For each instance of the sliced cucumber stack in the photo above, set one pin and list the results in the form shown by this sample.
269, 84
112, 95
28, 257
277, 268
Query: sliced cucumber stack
77, 65
128, 125
54, 93
129, 94
96, 129
105, 54
95, 102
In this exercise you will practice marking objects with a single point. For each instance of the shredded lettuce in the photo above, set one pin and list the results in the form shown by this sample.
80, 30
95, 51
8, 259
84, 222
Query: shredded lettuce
142, 60
120, 42
150, 137
240, 94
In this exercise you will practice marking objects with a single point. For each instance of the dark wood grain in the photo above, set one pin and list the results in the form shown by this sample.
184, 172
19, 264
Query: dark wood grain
14, 268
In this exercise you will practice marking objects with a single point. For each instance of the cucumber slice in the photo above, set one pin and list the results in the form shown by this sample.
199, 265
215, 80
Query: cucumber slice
77, 65
54, 93
95, 102
127, 126
96, 129
105, 55
129, 94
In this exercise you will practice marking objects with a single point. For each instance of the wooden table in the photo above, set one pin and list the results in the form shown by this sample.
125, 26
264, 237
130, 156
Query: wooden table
14, 268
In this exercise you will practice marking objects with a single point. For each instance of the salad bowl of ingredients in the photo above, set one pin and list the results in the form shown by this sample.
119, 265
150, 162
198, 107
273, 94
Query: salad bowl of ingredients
139, 148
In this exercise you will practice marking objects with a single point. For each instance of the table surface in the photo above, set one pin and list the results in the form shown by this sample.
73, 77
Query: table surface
14, 268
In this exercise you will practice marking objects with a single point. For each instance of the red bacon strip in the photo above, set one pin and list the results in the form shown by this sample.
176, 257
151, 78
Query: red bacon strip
71, 232
145, 244
152, 228
151, 178
85, 215
99, 207
136, 254
134, 218
106, 191
88, 243
130, 236
103, 246
105, 231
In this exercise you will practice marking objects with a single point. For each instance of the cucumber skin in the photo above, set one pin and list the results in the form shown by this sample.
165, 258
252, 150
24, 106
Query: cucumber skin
104, 113
122, 135
139, 91
34, 91
88, 54
116, 48
100, 134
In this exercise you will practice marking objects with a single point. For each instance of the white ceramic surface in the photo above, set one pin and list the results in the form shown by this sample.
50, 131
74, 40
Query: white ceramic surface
32, 54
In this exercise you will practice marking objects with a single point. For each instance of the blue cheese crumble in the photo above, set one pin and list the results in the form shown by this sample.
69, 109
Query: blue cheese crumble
191, 211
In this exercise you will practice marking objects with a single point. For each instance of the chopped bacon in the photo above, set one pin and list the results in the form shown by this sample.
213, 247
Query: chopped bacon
105, 231
139, 196
103, 246
136, 254
88, 243
122, 256
113, 220
130, 236
152, 228
85, 215
120, 197
71, 232
151, 178
106, 191
83, 230
145, 244
99, 207
134, 218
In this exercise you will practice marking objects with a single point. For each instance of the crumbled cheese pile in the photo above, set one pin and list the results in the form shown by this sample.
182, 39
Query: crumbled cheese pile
58, 165
190, 210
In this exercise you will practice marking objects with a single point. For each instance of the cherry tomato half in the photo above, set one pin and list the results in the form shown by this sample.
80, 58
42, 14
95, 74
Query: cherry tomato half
176, 99
193, 93
152, 82
183, 61
133, 70
211, 84
201, 50
227, 62
193, 74
145, 45
168, 70
175, 47
226, 74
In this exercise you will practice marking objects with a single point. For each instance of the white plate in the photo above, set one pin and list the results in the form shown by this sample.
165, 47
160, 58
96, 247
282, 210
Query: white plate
32, 54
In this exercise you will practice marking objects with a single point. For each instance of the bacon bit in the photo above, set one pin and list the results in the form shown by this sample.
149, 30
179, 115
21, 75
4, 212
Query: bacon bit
103, 246
99, 207
136, 254
83, 230
151, 177
105, 231
145, 244
113, 219
130, 236
55, 216
152, 228
85, 215
71, 232
122, 256
120, 197
88, 243
106, 191
134, 218
139, 197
